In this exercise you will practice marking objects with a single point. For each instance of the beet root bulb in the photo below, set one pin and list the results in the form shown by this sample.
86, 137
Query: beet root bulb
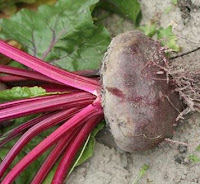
138, 97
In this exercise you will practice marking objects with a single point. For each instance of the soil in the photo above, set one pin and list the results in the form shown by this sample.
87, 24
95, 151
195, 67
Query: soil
168, 163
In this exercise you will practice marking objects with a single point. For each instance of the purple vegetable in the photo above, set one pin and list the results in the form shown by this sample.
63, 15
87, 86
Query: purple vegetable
139, 101
137, 96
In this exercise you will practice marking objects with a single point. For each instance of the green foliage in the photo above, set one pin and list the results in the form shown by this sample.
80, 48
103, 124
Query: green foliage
128, 8
174, 2
50, 175
149, 29
142, 172
16, 64
168, 9
63, 35
198, 148
164, 35
168, 38
16, 93
194, 158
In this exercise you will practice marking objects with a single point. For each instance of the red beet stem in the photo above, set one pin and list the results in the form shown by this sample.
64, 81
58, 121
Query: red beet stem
25, 73
73, 148
31, 133
53, 157
87, 113
17, 102
58, 88
21, 128
11, 78
51, 71
44, 105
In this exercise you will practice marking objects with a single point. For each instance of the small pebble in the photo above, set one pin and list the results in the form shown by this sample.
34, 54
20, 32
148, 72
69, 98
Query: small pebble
182, 149
179, 159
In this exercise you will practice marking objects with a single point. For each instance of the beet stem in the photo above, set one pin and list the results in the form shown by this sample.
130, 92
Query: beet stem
58, 88
22, 101
11, 78
53, 157
88, 112
73, 148
51, 71
25, 73
21, 128
31, 133
44, 105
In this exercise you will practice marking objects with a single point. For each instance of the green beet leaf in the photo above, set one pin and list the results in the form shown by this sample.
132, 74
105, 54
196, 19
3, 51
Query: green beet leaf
63, 34
149, 29
194, 158
141, 173
50, 175
174, 2
198, 148
16, 93
168, 38
16, 64
128, 8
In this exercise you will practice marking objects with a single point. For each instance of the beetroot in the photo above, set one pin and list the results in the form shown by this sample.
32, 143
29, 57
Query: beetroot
137, 95
139, 101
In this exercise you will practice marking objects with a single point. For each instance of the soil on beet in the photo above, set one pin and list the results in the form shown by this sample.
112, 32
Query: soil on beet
168, 163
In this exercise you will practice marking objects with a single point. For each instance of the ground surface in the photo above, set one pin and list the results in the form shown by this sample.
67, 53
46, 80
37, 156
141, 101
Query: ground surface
168, 163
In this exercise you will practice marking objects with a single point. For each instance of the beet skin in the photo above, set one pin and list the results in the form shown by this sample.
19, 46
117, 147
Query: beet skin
139, 101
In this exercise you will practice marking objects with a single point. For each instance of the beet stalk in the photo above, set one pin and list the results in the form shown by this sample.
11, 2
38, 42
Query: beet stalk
84, 115
52, 72
31, 133
53, 157
22, 128
73, 148
58, 102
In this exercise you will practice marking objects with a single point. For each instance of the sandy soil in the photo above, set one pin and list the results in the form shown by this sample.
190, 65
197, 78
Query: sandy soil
168, 163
